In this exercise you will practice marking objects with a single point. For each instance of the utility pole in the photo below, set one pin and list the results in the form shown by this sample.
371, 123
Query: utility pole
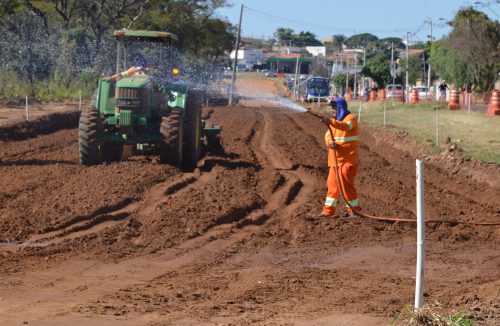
393, 71
364, 62
355, 75
237, 47
406, 62
347, 76
428, 65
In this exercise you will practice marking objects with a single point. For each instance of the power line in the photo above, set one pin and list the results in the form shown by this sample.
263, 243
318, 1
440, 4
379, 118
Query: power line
307, 24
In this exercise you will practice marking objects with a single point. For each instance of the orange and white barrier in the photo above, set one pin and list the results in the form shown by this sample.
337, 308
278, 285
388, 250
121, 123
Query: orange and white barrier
414, 96
373, 96
454, 99
494, 107
382, 95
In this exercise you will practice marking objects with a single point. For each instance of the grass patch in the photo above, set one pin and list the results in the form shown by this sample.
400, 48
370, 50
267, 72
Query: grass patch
475, 133
430, 315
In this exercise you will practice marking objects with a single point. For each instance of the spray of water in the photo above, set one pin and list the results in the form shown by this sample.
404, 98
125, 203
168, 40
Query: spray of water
269, 100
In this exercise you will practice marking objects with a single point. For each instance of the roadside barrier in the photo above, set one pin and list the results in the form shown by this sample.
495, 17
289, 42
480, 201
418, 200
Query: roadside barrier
373, 96
348, 96
454, 99
414, 96
494, 107
382, 95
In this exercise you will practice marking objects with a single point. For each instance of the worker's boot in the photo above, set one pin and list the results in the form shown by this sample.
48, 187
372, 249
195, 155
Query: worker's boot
352, 214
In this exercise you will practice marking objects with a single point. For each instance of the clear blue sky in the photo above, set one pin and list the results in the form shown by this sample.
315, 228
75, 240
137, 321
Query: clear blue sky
324, 18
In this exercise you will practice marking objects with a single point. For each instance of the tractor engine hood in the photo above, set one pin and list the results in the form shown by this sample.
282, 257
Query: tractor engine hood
136, 81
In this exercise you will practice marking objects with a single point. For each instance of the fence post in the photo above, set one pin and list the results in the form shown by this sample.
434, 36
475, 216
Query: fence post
385, 110
26, 110
437, 126
359, 113
419, 285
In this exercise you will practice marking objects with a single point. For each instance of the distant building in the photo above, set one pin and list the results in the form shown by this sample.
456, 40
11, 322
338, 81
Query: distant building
247, 58
316, 51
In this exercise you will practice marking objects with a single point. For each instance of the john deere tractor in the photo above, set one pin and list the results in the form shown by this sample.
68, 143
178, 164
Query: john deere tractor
142, 107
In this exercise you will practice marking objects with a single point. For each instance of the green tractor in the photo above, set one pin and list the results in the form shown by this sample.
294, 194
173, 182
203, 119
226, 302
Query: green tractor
135, 107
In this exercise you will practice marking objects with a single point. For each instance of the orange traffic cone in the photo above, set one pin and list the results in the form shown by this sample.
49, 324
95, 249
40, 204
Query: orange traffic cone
454, 99
414, 96
373, 95
494, 107
348, 96
382, 95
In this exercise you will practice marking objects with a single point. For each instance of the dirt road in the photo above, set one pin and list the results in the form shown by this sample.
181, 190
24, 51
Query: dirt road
139, 243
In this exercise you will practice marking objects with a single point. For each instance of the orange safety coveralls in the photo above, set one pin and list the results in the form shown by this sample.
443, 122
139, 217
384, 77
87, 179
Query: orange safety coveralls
347, 150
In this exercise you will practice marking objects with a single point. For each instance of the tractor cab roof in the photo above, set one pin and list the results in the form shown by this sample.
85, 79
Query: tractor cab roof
142, 34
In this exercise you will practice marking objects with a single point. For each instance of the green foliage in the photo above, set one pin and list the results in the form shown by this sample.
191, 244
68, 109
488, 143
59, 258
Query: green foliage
414, 68
377, 68
470, 53
361, 40
339, 41
66, 46
287, 36
318, 69
398, 42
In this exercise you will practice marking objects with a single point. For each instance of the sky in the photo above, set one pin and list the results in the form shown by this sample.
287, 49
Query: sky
324, 18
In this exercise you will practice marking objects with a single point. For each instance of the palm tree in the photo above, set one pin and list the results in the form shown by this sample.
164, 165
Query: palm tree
338, 41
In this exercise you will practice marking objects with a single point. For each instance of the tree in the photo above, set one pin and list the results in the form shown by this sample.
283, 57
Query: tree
363, 40
319, 69
284, 35
306, 39
414, 68
397, 41
377, 68
470, 54
338, 41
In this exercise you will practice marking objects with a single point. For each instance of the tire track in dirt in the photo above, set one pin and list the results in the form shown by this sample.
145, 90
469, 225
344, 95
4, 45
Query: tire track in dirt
196, 250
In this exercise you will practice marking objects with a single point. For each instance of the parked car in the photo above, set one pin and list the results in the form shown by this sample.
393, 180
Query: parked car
423, 93
270, 74
395, 92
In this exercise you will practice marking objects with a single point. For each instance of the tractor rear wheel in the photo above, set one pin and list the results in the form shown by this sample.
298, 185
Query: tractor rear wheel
88, 145
171, 130
192, 131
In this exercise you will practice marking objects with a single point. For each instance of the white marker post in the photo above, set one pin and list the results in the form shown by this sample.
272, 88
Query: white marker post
359, 113
385, 110
419, 286
26, 109
437, 127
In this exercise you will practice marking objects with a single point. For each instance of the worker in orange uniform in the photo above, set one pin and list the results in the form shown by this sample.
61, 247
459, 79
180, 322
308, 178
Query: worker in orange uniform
346, 145
140, 65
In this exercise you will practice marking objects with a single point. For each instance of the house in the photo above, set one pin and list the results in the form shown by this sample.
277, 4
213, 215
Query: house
247, 58
316, 51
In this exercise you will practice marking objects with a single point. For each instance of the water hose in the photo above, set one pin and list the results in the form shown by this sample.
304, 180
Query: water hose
388, 219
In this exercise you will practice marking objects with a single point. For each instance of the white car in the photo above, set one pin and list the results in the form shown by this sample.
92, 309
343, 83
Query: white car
423, 93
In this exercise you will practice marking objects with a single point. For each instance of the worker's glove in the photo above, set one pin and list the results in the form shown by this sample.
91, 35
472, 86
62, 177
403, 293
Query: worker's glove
331, 144
325, 120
